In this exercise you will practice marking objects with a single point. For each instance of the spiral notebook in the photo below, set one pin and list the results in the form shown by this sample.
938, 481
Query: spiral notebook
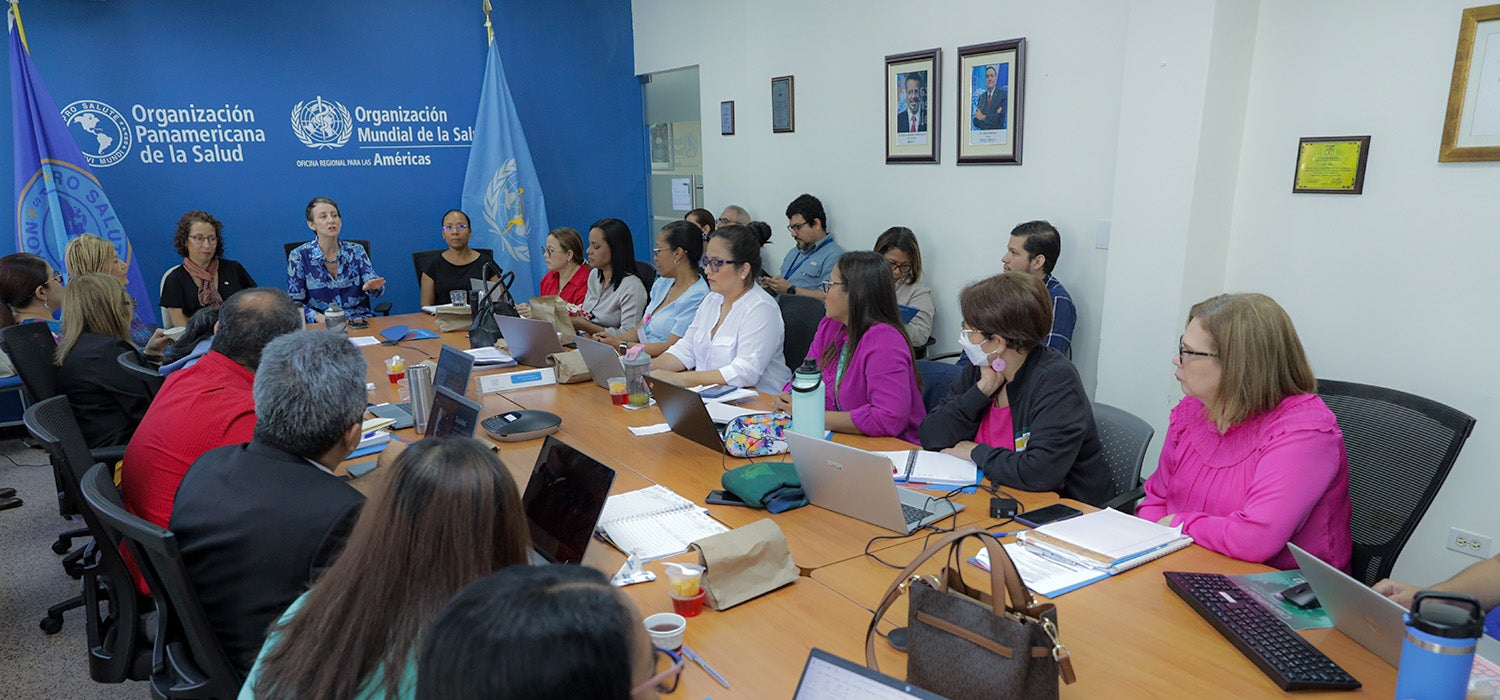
655, 522
1064, 556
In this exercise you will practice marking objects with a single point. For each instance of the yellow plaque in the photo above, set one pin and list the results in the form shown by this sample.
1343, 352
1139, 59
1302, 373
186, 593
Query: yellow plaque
1331, 165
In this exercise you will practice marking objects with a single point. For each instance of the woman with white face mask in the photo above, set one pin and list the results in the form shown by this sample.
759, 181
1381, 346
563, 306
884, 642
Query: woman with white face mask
1020, 412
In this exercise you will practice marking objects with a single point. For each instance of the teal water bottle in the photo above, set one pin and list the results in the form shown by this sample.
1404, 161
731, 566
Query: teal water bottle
808, 400
1442, 631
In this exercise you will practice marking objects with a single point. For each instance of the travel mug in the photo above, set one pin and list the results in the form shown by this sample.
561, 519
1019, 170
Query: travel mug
419, 378
1442, 630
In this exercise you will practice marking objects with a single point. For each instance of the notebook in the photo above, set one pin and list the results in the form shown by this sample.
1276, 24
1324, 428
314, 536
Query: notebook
1064, 556
935, 468
655, 522
828, 677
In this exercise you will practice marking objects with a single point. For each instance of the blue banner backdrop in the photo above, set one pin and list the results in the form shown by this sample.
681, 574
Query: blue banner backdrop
249, 109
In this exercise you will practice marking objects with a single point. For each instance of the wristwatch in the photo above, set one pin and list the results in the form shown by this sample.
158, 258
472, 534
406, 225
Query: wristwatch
791, 289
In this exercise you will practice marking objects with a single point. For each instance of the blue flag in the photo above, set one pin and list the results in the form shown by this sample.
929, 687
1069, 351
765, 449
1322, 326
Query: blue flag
57, 195
500, 187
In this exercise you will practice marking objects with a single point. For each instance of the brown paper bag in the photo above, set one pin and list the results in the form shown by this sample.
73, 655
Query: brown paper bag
553, 310
744, 563
454, 317
570, 367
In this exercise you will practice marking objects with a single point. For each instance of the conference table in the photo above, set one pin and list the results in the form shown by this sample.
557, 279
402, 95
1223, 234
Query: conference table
1130, 636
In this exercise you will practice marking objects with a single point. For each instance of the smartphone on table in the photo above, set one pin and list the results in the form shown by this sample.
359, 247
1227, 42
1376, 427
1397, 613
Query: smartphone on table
1050, 514
720, 497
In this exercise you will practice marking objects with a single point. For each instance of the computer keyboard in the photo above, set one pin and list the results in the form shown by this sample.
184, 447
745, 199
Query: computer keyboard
913, 514
1291, 661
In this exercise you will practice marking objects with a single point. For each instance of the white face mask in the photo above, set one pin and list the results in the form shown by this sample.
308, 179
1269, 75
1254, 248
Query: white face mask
976, 354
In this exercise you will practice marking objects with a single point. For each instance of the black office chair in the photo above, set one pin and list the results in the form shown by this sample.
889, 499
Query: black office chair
801, 316
1124, 437
647, 272
187, 659
383, 308
115, 625
130, 361
1400, 448
920, 351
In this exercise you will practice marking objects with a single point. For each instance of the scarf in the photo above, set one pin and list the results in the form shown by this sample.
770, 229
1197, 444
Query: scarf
208, 296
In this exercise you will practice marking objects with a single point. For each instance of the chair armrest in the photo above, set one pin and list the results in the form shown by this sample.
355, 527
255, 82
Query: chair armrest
383, 308
944, 356
108, 455
1126, 501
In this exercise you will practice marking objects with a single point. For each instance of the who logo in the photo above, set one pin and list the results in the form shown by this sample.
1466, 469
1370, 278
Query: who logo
322, 123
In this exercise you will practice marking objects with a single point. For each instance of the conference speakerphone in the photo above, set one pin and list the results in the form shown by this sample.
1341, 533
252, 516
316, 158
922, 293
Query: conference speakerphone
518, 426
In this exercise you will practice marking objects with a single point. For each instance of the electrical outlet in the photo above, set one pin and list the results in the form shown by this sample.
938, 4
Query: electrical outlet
1469, 543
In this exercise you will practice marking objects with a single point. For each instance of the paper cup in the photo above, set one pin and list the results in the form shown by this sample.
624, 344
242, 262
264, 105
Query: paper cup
666, 629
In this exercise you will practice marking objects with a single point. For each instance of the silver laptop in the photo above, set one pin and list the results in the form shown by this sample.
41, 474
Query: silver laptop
858, 484
603, 360
530, 340
1367, 617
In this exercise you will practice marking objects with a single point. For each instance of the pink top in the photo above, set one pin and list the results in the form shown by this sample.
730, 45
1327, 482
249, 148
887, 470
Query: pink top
996, 428
880, 382
1280, 476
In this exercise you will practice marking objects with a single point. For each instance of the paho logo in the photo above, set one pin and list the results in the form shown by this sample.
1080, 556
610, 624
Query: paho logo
101, 132
322, 123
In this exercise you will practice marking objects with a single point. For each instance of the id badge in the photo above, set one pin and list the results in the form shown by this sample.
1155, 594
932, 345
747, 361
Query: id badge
1022, 441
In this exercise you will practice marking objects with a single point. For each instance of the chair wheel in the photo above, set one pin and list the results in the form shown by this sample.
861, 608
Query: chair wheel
62, 546
51, 624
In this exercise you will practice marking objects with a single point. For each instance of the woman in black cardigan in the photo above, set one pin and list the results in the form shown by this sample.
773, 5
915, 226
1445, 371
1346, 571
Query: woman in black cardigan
108, 401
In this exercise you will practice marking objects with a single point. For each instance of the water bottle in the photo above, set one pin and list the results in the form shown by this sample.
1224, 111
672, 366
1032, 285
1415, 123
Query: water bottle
419, 378
334, 320
1442, 630
808, 399
637, 367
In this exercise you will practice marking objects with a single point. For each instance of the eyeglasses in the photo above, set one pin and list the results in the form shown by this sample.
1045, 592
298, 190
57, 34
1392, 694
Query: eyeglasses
713, 264
795, 227
725, 221
549, 251
970, 332
1183, 353
829, 285
665, 681
57, 277
900, 267
450, 228
655, 251
204, 240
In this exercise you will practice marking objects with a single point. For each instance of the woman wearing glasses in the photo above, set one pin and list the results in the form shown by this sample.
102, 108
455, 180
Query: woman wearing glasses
32, 291
1253, 458
898, 245
452, 270
543, 633
205, 278
1019, 411
617, 297
404, 560
676, 294
108, 400
327, 270
736, 336
867, 364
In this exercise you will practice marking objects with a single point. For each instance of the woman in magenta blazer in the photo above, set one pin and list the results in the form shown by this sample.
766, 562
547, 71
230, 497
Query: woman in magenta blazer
869, 376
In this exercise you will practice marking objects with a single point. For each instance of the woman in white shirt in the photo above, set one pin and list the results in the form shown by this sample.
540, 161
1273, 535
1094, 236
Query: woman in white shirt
736, 336
616, 297
899, 247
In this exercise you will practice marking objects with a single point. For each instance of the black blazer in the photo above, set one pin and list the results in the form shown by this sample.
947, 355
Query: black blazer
1047, 400
108, 401
180, 291
257, 526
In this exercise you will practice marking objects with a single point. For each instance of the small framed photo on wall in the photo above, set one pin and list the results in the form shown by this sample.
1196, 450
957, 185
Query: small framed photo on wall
1331, 164
661, 145
1471, 130
783, 106
912, 82
726, 118
991, 96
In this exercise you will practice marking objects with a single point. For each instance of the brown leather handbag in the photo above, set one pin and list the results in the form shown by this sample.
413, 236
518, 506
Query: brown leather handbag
964, 643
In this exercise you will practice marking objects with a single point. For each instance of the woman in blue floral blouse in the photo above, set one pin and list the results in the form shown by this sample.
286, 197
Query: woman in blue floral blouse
325, 269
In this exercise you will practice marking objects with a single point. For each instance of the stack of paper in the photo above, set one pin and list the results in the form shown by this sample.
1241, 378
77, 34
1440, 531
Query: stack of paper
934, 468
372, 440
1062, 556
491, 357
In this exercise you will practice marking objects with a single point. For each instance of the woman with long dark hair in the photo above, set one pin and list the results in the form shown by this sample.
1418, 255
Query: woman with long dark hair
676, 294
862, 349
616, 297
448, 515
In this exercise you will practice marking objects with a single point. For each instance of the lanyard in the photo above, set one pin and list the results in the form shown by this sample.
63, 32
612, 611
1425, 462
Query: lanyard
802, 257
838, 375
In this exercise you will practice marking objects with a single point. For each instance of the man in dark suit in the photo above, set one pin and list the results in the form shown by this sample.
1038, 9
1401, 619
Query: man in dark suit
258, 522
913, 119
989, 111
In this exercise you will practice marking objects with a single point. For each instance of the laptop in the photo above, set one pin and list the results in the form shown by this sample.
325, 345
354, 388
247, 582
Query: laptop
563, 500
1375, 621
689, 416
858, 484
453, 369
530, 340
603, 360
452, 414
828, 677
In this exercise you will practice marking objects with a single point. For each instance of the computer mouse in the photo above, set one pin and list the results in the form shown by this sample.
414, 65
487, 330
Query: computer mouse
1300, 595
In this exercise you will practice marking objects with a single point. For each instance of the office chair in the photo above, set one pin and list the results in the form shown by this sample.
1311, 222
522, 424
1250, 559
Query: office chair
1400, 449
647, 272
801, 316
166, 321
384, 307
422, 258
118, 648
187, 659
130, 361
920, 351
1124, 437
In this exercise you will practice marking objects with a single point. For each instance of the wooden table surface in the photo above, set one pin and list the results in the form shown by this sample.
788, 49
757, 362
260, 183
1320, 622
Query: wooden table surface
1130, 635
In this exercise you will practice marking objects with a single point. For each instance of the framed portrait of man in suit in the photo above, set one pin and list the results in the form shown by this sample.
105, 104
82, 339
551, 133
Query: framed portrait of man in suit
911, 106
991, 81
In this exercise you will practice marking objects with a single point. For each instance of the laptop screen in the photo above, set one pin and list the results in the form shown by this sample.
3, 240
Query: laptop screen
452, 414
453, 369
563, 500
828, 677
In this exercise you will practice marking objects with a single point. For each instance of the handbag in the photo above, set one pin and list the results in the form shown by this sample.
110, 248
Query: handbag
965, 644
757, 435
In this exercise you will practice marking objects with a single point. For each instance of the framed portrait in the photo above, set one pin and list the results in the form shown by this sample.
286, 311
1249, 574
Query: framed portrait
991, 100
1331, 164
783, 106
911, 106
1471, 130
726, 118
660, 136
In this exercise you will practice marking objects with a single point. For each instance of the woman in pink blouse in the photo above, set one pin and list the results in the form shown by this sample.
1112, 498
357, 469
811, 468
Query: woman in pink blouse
1253, 458
869, 376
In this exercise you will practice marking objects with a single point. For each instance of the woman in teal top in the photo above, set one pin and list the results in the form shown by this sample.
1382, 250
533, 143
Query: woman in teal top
676, 294
355, 634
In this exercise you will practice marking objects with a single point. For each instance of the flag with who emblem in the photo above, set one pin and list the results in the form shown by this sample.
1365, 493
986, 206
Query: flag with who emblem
501, 194
57, 195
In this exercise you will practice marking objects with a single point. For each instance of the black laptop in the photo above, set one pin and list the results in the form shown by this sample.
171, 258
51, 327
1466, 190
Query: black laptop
563, 500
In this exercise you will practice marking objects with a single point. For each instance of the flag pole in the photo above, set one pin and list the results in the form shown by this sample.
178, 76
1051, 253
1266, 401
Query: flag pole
488, 28
15, 17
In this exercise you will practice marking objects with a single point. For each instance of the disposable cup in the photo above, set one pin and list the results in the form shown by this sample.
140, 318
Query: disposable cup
689, 607
666, 629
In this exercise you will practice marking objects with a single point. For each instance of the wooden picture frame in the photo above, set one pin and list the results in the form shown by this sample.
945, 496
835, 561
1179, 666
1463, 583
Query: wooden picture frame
1331, 164
783, 105
991, 94
726, 118
1471, 130
913, 83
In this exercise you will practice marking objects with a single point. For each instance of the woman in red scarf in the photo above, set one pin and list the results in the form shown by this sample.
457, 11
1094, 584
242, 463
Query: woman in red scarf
204, 279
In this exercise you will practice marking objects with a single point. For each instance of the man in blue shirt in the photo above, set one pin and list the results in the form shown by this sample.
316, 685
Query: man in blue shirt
806, 267
1033, 249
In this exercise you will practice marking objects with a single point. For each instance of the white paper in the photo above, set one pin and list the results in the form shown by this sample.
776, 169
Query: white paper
682, 194
364, 340
429, 310
1043, 576
723, 412
490, 356
737, 395
650, 429
1112, 533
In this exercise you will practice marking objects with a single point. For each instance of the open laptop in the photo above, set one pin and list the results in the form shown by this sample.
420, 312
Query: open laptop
858, 484
563, 500
453, 369
1373, 620
828, 677
603, 361
452, 414
689, 416
530, 340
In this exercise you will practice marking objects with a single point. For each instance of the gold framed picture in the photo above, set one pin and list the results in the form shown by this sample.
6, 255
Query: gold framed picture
1471, 131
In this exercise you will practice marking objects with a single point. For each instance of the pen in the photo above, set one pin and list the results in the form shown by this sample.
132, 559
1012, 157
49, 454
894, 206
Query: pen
699, 660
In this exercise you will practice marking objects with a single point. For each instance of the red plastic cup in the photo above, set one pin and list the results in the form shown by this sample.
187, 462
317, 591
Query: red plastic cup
689, 607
